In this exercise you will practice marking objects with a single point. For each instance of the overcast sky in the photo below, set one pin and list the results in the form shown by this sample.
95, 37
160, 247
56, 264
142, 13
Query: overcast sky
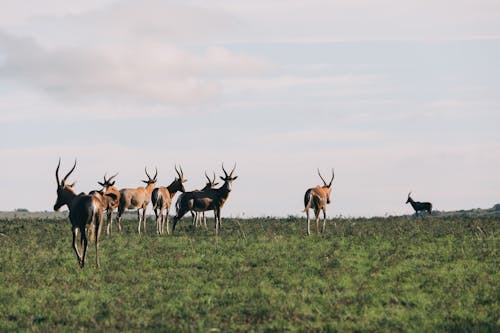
395, 95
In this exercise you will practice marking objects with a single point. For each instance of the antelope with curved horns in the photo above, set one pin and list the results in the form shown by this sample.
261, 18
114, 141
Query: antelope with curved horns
196, 215
419, 206
137, 198
317, 198
111, 203
161, 198
211, 199
85, 211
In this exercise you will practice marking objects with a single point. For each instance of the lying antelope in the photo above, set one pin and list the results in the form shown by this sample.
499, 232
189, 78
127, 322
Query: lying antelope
196, 215
161, 199
419, 206
85, 211
110, 202
136, 198
317, 198
210, 199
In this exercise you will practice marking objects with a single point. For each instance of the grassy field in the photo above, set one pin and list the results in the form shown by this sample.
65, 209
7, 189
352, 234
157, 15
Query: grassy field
379, 274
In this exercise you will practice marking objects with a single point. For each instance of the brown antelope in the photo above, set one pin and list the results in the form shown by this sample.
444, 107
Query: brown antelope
111, 203
317, 198
196, 215
85, 211
211, 199
161, 199
136, 198
419, 206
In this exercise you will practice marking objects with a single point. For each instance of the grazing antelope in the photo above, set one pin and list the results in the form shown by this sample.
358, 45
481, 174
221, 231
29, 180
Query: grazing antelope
111, 202
317, 198
161, 198
85, 211
136, 198
419, 206
210, 199
196, 215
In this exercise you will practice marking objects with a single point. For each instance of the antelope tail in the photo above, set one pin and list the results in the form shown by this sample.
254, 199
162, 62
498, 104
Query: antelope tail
307, 200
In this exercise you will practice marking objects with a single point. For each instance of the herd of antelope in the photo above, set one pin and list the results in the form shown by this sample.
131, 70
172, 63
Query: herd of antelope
86, 211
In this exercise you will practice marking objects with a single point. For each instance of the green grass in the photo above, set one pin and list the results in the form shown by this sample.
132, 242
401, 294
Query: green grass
380, 274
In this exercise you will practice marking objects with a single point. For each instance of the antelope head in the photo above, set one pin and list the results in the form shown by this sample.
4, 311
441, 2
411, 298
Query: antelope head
210, 182
150, 181
228, 178
179, 181
107, 183
65, 191
327, 187
409, 198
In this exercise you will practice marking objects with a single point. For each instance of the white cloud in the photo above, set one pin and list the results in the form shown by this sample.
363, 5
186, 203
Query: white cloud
156, 73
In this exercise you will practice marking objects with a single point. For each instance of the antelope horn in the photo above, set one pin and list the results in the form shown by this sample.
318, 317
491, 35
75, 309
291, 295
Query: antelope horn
213, 181
225, 173
57, 171
111, 178
69, 173
208, 178
147, 174
320, 176
232, 171
333, 176
156, 174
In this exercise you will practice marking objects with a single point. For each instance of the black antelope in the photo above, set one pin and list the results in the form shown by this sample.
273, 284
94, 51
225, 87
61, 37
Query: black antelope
317, 198
419, 206
200, 216
136, 198
211, 199
161, 199
111, 202
85, 211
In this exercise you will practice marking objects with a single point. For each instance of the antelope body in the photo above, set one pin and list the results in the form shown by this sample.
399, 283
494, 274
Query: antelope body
317, 198
210, 199
200, 216
161, 199
111, 199
85, 211
136, 198
419, 206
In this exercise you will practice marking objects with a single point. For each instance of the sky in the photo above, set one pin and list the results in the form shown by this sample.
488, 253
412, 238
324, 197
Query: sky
396, 96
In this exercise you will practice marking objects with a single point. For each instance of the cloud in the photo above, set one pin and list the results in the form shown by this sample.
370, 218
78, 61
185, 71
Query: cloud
156, 73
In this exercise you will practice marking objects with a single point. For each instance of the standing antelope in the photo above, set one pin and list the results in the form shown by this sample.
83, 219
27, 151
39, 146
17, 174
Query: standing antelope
211, 199
196, 215
317, 198
136, 198
161, 198
419, 206
111, 203
85, 211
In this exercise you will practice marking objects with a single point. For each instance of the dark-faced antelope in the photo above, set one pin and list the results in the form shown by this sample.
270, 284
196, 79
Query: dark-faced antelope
199, 217
419, 206
137, 198
317, 198
85, 211
161, 199
111, 202
211, 199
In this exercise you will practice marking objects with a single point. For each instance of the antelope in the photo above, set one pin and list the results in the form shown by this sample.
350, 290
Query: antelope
196, 215
161, 199
317, 198
136, 198
110, 202
85, 211
210, 199
419, 206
